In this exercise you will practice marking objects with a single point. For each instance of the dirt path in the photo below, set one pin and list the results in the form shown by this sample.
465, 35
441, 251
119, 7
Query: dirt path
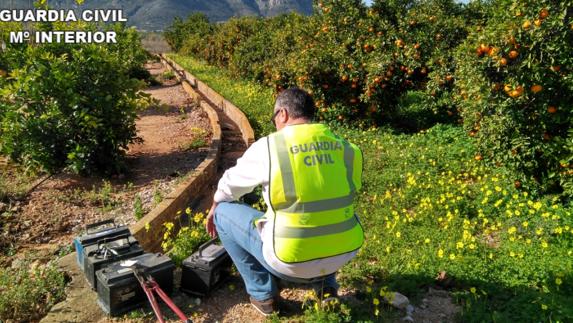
174, 132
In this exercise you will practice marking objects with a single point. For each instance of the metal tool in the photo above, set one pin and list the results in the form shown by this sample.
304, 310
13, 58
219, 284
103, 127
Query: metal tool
149, 286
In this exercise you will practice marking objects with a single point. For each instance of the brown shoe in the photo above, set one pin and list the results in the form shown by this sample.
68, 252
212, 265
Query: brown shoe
266, 307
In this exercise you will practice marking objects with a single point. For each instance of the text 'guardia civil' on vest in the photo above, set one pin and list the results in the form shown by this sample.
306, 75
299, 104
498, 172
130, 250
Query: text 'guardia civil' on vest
315, 146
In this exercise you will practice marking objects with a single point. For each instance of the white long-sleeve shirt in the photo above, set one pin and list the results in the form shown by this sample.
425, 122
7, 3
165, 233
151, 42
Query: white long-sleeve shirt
252, 169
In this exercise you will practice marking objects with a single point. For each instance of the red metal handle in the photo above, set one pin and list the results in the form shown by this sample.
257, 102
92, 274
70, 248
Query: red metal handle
149, 292
149, 285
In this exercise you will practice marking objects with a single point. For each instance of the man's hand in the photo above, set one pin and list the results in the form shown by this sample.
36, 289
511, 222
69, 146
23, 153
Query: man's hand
210, 225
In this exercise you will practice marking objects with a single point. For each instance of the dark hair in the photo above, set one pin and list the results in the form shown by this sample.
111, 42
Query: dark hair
297, 102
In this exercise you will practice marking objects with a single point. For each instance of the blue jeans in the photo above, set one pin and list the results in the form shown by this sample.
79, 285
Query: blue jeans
234, 222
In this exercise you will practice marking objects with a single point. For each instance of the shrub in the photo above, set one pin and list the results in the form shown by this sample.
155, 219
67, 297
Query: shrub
188, 33
71, 105
29, 290
515, 89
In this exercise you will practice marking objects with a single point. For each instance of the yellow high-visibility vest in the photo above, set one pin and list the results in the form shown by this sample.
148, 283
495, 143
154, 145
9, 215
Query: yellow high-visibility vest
314, 176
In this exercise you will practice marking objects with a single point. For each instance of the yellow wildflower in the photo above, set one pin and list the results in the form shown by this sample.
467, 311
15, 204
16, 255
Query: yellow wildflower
198, 217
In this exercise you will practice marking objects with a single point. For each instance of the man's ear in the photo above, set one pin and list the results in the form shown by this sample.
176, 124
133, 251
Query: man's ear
284, 115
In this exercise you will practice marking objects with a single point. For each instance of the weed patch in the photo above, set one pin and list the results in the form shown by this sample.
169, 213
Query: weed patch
436, 215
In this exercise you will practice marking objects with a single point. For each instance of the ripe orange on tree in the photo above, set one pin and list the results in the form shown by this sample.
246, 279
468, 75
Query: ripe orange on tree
551, 109
513, 54
536, 88
517, 92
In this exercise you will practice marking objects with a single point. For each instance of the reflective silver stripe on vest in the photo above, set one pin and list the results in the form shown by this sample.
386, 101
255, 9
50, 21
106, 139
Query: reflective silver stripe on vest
319, 206
349, 163
286, 170
294, 233
291, 205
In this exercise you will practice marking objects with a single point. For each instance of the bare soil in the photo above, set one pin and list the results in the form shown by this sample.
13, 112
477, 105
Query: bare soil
174, 133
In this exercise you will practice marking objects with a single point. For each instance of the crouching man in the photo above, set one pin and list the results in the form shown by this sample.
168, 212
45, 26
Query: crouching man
309, 178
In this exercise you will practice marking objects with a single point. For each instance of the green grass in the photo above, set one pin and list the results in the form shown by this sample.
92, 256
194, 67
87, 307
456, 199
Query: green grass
256, 101
427, 207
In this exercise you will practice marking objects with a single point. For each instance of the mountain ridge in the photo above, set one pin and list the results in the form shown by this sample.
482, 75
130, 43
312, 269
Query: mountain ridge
156, 15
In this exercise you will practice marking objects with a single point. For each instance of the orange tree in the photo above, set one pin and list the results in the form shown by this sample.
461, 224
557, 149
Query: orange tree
357, 61
515, 90
70, 105
271, 54
362, 60
221, 45
420, 55
188, 34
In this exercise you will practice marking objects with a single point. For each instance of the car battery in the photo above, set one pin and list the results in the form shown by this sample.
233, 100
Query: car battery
106, 252
119, 290
205, 269
94, 233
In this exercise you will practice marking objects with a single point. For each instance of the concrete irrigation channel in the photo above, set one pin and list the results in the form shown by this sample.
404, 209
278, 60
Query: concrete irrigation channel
231, 135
